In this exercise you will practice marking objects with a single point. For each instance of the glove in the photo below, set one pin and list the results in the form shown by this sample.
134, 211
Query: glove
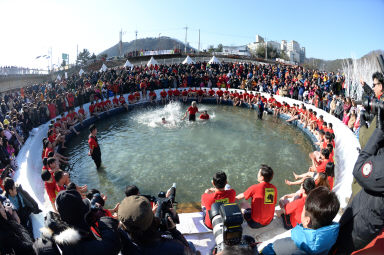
380, 119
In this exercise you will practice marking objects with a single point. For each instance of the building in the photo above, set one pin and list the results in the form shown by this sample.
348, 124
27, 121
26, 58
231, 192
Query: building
235, 50
291, 48
302, 55
259, 39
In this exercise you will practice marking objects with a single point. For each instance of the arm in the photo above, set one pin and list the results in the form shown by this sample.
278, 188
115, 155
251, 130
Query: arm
368, 170
110, 241
240, 196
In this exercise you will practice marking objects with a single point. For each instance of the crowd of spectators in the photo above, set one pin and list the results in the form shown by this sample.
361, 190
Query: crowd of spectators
70, 227
16, 70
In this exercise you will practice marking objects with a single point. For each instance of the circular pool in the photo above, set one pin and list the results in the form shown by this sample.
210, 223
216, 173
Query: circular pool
138, 149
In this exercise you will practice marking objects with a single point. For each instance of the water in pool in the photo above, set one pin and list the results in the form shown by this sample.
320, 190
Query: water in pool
138, 149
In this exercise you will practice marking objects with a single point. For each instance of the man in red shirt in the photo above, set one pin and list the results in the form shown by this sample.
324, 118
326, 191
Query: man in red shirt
50, 186
204, 116
122, 101
264, 197
152, 96
163, 95
219, 96
192, 110
176, 94
185, 95
216, 194
94, 148
291, 211
115, 101
131, 98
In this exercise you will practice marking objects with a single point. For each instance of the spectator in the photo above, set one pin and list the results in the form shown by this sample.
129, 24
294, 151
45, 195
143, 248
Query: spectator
291, 212
14, 238
69, 233
317, 233
216, 194
263, 195
140, 233
22, 202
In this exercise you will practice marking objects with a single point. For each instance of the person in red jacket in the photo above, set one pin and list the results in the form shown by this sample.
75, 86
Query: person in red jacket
204, 116
264, 198
291, 211
216, 194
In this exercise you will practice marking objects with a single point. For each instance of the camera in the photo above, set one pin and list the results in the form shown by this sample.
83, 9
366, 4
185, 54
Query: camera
6, 172
164, 207
226, 221
372, 105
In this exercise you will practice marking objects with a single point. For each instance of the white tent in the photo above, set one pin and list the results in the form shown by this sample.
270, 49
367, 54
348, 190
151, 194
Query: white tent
188, 60
58, 77
128, 64
81, 71
214, 60
103, 68
152, 62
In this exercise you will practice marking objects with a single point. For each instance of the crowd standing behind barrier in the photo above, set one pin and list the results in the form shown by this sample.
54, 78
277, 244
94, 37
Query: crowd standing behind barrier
35, 105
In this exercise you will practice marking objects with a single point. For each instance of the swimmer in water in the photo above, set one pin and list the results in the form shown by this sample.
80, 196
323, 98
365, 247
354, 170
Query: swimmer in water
204, 116
163, 121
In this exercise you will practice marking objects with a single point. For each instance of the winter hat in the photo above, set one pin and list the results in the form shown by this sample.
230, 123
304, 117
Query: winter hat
72, 208
135, 212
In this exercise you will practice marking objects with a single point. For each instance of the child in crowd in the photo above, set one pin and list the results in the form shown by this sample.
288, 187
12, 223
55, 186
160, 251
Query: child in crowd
317, 233
291, 211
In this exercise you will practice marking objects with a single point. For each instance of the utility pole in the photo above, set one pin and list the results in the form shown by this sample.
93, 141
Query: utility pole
266, 48
121, 42
136, 40
77, 54
198, 47
185, 43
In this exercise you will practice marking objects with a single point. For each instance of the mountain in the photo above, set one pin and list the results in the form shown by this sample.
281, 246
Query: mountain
151, 43
337, 64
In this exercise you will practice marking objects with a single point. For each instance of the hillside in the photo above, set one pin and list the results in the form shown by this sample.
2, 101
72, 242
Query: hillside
162, 43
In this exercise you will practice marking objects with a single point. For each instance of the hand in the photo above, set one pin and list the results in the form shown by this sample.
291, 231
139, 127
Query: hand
116, 207
154, 208
362, 82
171, 224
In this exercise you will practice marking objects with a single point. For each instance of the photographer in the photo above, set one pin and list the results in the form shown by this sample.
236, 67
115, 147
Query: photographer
366, 129
14, 238
140, 232
363, 219
69, 233
22, 203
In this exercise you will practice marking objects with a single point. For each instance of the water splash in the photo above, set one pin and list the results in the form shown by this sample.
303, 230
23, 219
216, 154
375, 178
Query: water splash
172, 113
356, 70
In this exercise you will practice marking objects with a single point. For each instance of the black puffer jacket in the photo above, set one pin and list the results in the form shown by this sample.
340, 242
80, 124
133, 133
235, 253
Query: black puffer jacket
363, 219
60, 238
14, 238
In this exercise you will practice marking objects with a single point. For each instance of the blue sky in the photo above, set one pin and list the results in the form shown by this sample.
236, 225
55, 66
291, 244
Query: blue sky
328, 29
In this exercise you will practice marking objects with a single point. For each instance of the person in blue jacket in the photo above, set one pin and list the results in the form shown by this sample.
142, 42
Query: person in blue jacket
317, 233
